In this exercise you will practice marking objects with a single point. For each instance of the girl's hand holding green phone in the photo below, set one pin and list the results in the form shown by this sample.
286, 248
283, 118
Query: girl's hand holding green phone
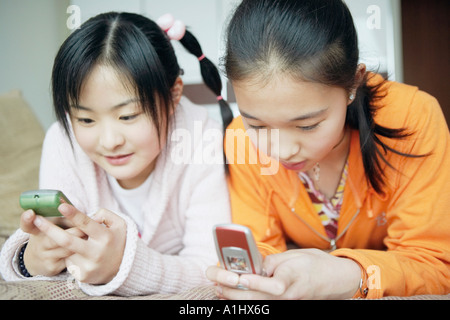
43, 202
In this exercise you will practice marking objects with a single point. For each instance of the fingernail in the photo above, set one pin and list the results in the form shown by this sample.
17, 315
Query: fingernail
63, 208
28, 215
38, 221
219, 291
244, 282
233, 279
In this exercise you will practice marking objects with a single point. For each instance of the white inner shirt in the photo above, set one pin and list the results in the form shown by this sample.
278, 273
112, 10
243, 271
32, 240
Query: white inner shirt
131, 200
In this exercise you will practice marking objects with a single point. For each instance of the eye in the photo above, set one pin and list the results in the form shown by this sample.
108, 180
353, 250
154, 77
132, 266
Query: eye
256, 127
308, 128
85, 120
129, 117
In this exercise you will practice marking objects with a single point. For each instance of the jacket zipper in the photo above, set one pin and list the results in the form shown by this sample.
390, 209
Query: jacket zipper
331, 241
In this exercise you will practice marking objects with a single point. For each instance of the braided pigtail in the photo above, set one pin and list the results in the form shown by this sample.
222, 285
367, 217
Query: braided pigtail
176, 30
210, 75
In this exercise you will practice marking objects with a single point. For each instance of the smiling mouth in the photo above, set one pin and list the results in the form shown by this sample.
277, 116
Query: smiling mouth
119, 159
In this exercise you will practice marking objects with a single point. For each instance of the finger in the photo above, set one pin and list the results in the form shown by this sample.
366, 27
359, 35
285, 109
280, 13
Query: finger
222, 276
61, 222
108, 219
271, 262
80, 220
274, 286
59, 236
77, 233
240, 294
99, 218
26, 222
58, 253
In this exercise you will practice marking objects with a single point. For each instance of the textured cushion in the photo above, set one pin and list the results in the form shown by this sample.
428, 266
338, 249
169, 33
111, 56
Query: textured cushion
20, 152
67, 290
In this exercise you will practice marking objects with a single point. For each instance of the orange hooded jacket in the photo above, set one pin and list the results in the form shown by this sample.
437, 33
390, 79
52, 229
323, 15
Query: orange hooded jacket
401, 239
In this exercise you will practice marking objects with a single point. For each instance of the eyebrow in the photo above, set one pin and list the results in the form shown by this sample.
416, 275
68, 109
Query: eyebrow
117, 106
305, 116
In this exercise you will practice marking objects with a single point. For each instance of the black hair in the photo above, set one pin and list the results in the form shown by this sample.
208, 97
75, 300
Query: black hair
139, 51
210, 75
316, 41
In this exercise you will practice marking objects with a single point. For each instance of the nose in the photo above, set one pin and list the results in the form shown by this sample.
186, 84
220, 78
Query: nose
111, 138
285, 147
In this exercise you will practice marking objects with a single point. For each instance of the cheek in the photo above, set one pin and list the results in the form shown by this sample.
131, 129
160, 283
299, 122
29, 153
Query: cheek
262, 139
316, 146
145, 141
87, 139
324, 140
147, 145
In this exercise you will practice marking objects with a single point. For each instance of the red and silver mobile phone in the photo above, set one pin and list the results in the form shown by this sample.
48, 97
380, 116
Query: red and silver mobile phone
237, 249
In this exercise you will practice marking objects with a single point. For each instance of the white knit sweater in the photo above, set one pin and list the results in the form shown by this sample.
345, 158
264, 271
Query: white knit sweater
185, 201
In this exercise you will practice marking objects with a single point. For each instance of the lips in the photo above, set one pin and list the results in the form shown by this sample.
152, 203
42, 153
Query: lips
119, 159
298, 166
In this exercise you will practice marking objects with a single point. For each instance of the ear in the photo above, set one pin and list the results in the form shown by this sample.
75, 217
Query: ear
359, 77
360, 73
177, 91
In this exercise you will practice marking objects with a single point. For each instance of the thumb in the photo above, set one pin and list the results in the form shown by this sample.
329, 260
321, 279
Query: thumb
26, 222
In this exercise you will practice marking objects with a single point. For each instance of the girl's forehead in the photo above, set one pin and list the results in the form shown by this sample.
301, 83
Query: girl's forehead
105, 83
285, 90
280, 84
104, 75
287, 100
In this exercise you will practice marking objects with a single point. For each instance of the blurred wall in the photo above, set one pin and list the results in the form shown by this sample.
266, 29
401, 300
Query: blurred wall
30, 35
31, 32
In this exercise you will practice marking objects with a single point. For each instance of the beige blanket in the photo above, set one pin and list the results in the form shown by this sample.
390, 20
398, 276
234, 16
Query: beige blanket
61, 290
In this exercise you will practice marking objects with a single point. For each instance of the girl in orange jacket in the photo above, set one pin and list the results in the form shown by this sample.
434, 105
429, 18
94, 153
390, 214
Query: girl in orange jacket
353, 169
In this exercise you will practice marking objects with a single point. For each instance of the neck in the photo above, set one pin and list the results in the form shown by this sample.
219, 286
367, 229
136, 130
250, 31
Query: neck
339, 153
331, 167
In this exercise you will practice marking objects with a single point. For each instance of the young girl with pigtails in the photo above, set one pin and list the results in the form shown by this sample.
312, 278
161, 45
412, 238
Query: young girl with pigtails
363, 185
140, 222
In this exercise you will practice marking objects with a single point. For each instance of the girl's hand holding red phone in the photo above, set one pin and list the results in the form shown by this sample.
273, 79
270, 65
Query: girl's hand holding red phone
238, 255
294, 274
237, 249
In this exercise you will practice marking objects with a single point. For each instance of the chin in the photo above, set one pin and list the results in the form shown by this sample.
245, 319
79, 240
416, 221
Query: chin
120, 174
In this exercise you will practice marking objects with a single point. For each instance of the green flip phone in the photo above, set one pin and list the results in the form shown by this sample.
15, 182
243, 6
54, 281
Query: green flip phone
44, 202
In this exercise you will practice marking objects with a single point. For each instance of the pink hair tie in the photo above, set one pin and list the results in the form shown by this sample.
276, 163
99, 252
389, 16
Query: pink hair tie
165, 21
201, 57
219, 98
175, 29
